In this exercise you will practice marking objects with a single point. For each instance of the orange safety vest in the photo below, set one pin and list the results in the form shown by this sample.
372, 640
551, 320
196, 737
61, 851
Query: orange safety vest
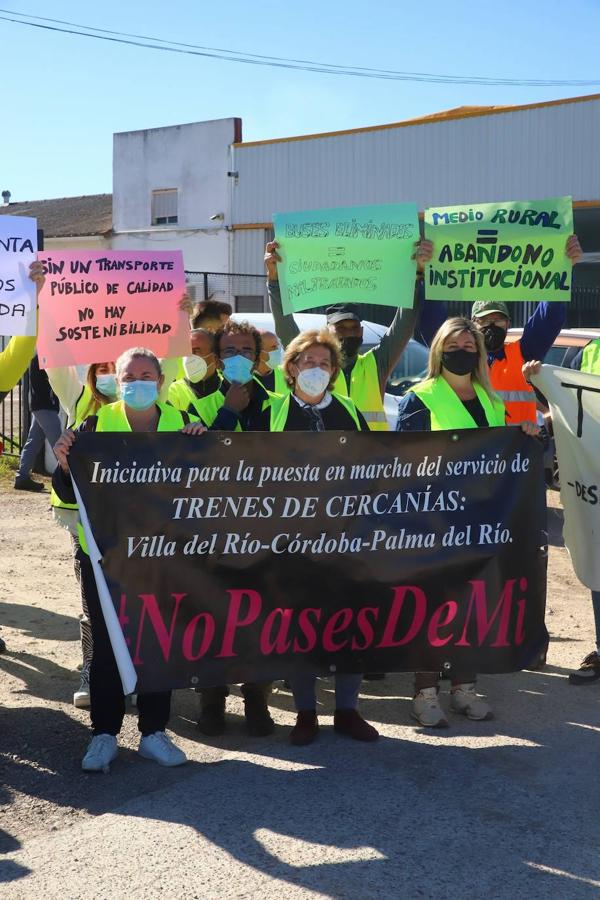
510, 385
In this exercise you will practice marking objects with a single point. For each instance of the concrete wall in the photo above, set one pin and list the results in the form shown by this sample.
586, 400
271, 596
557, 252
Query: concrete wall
192, 158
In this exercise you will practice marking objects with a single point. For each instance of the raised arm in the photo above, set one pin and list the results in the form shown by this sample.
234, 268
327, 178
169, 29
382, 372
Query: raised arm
285, 325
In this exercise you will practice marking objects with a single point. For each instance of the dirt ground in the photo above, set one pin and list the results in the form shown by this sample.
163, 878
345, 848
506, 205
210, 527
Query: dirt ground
42, 736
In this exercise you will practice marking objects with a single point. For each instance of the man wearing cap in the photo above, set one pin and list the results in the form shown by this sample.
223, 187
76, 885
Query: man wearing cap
506, 359
364, 375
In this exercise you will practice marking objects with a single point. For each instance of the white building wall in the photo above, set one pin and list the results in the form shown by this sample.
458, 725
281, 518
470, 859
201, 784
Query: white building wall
522, 154
192, 158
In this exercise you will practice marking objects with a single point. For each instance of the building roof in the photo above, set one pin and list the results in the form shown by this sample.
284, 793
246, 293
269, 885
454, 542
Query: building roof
458, 112
67, 216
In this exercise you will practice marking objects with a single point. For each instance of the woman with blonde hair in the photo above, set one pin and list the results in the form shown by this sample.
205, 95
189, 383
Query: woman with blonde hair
311, 365
455, 394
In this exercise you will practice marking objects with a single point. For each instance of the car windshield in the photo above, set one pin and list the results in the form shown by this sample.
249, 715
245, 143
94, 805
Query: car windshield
410, 368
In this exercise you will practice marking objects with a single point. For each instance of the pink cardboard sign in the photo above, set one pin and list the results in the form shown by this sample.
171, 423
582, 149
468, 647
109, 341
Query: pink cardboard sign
96, 304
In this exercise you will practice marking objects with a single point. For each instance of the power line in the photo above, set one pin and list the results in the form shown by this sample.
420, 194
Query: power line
153, 43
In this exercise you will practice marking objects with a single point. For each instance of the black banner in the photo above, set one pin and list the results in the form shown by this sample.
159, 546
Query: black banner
243, 557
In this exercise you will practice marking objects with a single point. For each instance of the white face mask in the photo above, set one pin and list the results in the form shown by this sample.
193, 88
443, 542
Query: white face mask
313, 382
195, 368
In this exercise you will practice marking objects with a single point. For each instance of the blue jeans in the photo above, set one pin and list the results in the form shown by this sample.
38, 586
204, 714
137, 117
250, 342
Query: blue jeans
45, 424
596, 608
346, 691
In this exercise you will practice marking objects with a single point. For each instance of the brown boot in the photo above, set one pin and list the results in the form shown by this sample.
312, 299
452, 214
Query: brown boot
352, 724
306, 728
258, 718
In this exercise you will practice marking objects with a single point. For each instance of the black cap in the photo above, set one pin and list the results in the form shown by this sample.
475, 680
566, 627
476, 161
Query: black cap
339, 312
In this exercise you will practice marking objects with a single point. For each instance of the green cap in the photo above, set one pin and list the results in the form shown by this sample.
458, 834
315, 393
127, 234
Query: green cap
485, 307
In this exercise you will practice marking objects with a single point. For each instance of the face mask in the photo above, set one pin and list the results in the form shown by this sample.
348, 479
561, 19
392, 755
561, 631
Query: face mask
350, 346
275, 358
313, 382
139, 394
238, 369
460, 362
195, 368
107, 385
494, 337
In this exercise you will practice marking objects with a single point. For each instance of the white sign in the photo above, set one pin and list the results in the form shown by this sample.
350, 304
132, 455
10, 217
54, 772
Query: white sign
574, 400
18, 249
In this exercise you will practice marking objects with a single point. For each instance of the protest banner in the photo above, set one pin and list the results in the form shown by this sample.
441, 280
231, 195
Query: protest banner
95, 304
574, 400
356, 254
18, 249
355, 552
500, 251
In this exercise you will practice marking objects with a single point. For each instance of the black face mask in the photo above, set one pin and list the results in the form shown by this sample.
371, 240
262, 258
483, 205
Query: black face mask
494, 337
350, 346
460, 362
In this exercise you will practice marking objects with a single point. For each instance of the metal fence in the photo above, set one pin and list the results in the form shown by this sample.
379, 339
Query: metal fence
245, 293
14, 414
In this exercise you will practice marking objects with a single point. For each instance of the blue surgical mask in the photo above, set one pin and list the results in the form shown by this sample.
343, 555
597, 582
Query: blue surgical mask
139, 395
275, 358
238, 368
107, 385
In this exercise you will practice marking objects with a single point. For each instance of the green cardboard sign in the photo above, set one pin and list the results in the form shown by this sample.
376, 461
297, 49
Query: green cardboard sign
356, 254
500, 251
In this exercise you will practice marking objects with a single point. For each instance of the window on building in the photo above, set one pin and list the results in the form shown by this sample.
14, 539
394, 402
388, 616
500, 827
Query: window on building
249, 303
164, 207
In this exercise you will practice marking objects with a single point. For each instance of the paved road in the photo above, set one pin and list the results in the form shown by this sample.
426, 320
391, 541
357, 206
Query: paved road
500, 809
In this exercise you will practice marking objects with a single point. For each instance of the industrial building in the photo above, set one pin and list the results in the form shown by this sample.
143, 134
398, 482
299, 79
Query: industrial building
200, 188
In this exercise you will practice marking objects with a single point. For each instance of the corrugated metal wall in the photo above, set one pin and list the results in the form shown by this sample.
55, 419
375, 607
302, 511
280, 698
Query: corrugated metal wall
524, 154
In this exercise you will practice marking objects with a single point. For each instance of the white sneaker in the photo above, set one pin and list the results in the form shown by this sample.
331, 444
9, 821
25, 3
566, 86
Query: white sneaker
100, 753
426, 709
464, 700
81, 697
161, 749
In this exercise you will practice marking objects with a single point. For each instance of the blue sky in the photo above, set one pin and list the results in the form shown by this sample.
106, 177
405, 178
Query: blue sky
64, 96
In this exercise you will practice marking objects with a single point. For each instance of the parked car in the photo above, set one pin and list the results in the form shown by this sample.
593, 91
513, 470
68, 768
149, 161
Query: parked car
409, 370
562, 353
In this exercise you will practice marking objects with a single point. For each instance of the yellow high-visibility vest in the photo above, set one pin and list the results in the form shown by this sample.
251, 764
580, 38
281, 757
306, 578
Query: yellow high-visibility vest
365, 391
447, 409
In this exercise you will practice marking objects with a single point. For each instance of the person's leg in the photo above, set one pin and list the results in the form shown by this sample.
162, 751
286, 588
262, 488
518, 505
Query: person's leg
107, 701
466, 701
106, 690
256, 708
426, 707
347, 720
596, 609
49, 422
81, 697
211, 721
33, 445
305, 698
154, 711
589, 670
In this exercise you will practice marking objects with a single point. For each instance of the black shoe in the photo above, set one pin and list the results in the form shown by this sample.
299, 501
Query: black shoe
212, 718
28, 484
588, 671
2, 646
